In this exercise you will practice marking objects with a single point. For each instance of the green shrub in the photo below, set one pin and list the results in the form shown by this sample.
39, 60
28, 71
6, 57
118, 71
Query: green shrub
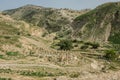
1, 56
111, 55
95, 45
74, 75
75, 40
5, 79
44, 34
115, 38
84, 47
5, 70
7, 37
12, 53
28, 34
65, 44
88, 43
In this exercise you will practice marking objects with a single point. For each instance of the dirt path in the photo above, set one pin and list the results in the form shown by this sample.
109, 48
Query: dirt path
12, 65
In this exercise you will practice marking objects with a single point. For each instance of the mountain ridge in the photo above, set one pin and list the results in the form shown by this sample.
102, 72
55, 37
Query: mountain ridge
99, 21
55, 20
44, 17
39, 43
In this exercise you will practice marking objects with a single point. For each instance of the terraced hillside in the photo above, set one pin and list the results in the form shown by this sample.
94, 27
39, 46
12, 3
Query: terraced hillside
33, 43
19, 36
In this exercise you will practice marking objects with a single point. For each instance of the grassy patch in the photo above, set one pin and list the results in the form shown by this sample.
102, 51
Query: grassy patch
5, 70
5, 78
41, 73
12, 53
1, 56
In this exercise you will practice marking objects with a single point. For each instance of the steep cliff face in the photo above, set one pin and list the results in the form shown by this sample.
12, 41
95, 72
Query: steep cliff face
100, 25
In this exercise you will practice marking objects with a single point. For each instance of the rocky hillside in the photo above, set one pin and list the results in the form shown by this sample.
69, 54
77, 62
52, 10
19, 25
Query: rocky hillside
34, 43
100, 25
33, 28
51, 19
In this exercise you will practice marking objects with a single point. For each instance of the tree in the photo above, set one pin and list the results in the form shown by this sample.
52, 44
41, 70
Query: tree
65, 44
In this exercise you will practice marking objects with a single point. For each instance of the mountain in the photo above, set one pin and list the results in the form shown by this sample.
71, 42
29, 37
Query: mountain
38, 43
98, 25
34, 26
51, 19
101, 24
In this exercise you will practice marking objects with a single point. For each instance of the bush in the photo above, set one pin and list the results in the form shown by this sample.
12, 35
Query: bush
88, 43
7, 37
75, 40
28, 34
84, 47
74, 75
5, 79
44, 34
65, 44
12, 53
76, 45
111, 55
1, 56
95, 45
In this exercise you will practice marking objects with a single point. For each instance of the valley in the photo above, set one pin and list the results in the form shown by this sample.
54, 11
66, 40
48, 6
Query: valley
38, 43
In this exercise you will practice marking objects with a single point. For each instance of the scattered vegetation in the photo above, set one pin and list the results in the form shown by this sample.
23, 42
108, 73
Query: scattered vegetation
40, 74
5, 78
89, 26
5, 70
90, 44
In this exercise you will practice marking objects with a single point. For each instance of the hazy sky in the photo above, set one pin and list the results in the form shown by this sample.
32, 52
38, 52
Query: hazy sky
73, 4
